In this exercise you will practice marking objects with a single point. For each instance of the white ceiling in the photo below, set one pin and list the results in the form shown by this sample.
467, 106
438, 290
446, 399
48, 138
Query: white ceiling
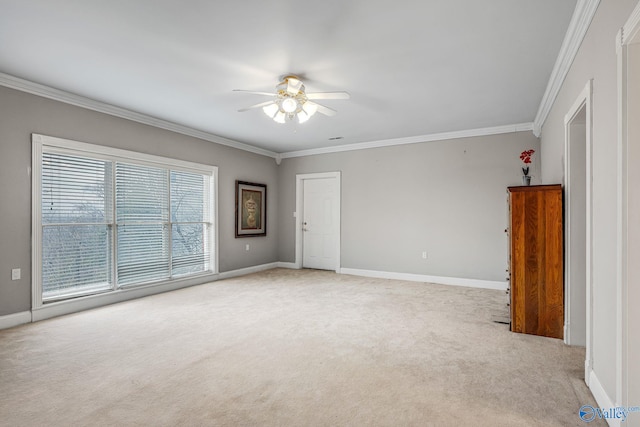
412, 68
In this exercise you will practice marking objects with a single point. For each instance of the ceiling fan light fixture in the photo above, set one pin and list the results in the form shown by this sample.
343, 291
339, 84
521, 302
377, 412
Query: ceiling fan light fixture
293, 85
290, 100
289, 105
302, 116
310, 108
271, 110
280, 117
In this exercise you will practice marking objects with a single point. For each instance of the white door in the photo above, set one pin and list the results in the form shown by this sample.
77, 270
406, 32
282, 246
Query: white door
320, 223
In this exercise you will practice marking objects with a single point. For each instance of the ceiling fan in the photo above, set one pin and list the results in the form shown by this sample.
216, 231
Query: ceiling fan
290, 100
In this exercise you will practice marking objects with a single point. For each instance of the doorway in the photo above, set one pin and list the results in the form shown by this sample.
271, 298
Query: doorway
577, 187
318, 221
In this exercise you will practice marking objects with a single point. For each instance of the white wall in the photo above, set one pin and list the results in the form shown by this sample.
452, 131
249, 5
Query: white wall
596, 60
444, 197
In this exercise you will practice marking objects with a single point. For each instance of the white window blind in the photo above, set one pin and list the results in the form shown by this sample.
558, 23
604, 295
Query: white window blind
76, 223
105, 222
190, 208
142, 221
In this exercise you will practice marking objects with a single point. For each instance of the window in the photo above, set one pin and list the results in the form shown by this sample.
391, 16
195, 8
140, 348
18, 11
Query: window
75, 224
106, 219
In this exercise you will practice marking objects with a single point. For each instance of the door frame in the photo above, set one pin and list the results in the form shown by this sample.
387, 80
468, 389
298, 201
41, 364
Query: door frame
299, 214
627, 35
584, 100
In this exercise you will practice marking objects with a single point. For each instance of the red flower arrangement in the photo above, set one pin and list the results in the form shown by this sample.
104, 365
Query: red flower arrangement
525, 156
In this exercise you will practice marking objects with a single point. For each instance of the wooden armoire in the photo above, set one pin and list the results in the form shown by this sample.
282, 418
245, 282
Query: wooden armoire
536, 260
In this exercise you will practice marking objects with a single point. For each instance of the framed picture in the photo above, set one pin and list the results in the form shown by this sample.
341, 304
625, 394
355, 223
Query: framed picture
251, 209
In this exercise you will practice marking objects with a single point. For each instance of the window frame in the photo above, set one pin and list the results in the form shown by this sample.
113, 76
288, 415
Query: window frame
44, 143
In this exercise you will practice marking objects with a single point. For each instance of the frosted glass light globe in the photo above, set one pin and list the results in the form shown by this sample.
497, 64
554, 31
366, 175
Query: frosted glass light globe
289, 105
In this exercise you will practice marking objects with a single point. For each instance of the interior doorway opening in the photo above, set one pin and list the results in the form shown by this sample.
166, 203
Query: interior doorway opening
578, 214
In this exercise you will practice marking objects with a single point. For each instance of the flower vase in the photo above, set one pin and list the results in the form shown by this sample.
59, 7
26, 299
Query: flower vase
526, 179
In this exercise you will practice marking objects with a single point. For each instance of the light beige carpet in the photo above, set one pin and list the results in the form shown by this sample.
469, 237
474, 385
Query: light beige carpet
291, 348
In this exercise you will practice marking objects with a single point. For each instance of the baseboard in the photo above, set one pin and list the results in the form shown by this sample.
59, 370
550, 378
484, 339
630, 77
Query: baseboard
290, 265
602, 398
248, 270
15, 319
472, 283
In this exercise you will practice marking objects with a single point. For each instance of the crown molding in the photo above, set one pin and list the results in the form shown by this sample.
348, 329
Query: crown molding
580, 21
101, 107
17, 83
631, 27
522, 127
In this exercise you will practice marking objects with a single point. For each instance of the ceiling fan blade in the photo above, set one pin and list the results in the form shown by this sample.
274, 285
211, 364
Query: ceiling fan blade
293, 85
322, 109
254, 92
262, 104
328, 95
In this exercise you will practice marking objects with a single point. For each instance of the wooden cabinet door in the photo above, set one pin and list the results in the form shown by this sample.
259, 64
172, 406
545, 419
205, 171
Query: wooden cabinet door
536, 260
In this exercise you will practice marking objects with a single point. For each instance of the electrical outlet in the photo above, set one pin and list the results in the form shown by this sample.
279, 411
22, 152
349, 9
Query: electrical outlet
15, 274
246, 247
425, 255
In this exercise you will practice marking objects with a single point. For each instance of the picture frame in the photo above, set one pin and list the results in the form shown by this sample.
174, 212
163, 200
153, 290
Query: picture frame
251, 209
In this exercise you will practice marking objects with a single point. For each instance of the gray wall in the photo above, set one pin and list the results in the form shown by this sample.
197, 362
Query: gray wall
445, 197
22, 114
596, 60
